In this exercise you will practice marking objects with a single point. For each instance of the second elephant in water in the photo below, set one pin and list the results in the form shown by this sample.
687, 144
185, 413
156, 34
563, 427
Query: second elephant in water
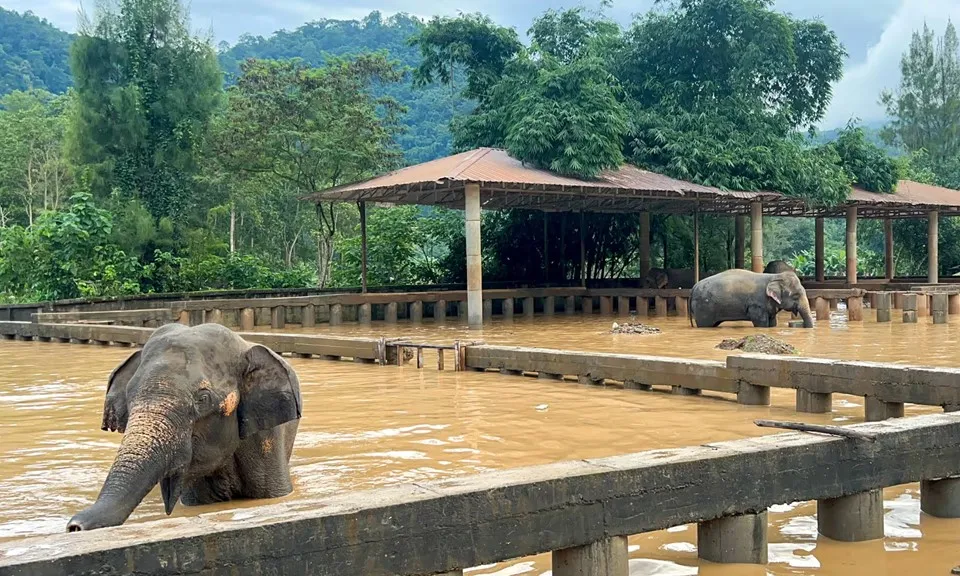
778, 266
662, 278
737, 295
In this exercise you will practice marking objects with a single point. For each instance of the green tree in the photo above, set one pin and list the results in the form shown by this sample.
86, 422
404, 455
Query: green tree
33, 54
146, 89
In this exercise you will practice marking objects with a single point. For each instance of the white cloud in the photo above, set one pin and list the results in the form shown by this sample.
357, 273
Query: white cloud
858, 93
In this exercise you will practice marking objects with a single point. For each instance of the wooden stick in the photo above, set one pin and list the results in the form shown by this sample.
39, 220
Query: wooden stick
831, 430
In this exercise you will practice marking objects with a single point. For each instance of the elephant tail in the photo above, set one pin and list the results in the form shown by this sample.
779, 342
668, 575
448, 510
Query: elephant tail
690, 312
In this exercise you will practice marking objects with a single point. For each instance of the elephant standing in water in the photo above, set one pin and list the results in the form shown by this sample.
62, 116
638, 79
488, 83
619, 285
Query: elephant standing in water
205, 414
778, 266
743, 295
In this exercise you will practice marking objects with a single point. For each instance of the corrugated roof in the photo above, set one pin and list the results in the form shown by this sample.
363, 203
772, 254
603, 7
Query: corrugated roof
910, 192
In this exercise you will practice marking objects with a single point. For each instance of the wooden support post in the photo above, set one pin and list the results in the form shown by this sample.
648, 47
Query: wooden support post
308, 316
854, 309
607, 557
569, 305
416, 311
546, 248
528, 306
644, 243
419, 357
740, 539
933, 240
363, 246
440, 359
939, 308
660, 306
854, 518
882, 301
890, 265
851, 245
756, 235
549, 305
583, 252
440, 311
819, 249
507, 310
740, 240
474, 265
623, 305
696, 245
390, 313
336, 314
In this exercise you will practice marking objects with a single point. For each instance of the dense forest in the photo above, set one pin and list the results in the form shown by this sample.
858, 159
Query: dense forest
131, 164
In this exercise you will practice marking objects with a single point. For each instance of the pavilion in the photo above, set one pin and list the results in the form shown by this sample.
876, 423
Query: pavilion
488, 178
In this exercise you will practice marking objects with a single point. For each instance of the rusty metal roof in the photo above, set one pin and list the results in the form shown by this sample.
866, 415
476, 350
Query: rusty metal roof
506, 182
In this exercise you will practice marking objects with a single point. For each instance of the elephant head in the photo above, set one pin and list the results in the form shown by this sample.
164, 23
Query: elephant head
788, 294
184, 404
657, 278
778, 266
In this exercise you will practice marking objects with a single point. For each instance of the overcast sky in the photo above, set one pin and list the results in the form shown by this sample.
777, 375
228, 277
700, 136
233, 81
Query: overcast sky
874, 32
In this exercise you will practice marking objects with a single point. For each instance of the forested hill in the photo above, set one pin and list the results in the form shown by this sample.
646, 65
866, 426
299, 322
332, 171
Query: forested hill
33, 54
429, 109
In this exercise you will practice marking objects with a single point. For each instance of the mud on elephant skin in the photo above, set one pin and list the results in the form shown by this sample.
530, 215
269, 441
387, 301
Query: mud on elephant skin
737, 295
205, 414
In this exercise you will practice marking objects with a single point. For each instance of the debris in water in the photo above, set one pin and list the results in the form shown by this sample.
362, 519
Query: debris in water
760, 343
633, 328
541, 407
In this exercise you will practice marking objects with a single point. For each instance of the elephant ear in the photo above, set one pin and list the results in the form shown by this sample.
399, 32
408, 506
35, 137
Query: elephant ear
774, 289
269, 392
115, 404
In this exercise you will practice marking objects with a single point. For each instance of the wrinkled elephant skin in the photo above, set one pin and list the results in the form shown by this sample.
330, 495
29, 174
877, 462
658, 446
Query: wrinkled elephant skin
737, 295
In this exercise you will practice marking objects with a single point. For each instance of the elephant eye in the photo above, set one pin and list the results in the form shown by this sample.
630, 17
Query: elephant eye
204, 397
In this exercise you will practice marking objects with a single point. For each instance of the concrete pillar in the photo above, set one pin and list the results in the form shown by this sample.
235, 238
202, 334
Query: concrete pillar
462, 309
889, 262
336, 314
644, 243
586, 305
941, 497
683, 305
487, 309
953, 304
364, 313
184, 317
247, 317
814, 402
877, 410
608, 557
474, 267
549, 305
882, 300
215, 316
308, 316
623, 305
660, 306
643, 306
909, 308
898, 300
933, 247
854, 518
606, 305
923, 305
696, 246
852, 245
683, 391
854, 309
822, 308
939, 308
569, 305
390, 313
416, 311
528, 306
818, 249
750, 395
440, 311
740, 242
507, 310
738, 539
756, 235
363, 246
278, 317
834, 304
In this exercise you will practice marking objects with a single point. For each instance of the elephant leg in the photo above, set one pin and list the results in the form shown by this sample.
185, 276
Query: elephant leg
760, 318
773, 320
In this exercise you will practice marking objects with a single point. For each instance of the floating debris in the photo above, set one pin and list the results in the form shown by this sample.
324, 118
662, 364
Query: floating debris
760, 343
633, 328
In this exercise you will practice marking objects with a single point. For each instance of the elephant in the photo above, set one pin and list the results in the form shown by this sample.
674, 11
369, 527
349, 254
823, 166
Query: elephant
205, 414
778, 266
744, 295
661, 278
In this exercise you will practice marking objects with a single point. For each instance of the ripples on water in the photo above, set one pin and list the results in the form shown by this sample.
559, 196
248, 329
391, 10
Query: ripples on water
366, 426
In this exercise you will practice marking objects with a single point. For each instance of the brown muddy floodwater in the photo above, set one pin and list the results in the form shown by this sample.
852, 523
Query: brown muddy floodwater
366, 426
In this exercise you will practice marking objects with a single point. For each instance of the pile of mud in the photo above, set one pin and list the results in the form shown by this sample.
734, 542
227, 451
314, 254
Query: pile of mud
760, 343
633, 328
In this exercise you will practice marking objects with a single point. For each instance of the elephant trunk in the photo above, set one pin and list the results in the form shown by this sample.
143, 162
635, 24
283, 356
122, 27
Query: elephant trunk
148, 450
804, 311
